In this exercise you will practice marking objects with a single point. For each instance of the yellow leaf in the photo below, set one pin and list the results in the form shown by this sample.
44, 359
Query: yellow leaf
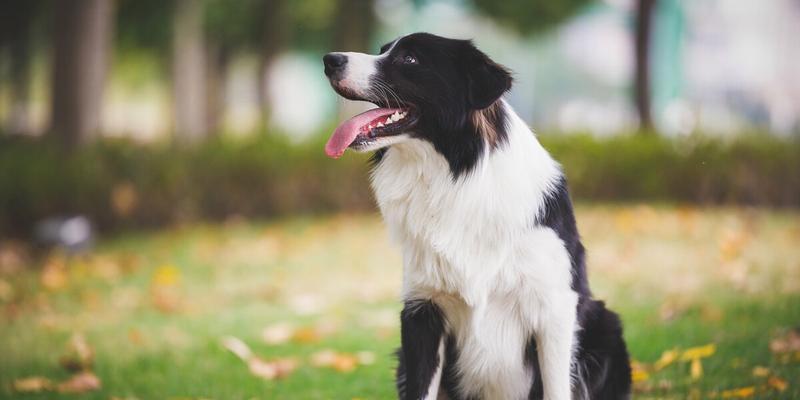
306, 335
166, 275
698, 352
760, 371
638, 372
345, 363
777, 383
54, 274
667, 358
32, 384
744, 392
696, 369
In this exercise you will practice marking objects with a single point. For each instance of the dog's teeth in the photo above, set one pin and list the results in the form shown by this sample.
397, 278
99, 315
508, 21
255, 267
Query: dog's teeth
395, 117
389, 120
380, 125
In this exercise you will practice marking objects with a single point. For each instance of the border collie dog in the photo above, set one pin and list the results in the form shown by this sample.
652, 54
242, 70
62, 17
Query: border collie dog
497, 303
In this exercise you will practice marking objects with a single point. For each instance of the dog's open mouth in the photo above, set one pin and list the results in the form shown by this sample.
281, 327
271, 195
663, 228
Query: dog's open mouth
368, 127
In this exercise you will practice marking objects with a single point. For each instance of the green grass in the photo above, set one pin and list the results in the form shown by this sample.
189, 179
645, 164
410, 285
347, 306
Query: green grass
679, 277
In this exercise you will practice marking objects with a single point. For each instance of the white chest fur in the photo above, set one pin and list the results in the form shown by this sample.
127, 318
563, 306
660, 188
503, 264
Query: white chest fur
472, 246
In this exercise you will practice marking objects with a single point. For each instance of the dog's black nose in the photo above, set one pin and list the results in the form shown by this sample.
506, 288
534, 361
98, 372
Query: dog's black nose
334, 62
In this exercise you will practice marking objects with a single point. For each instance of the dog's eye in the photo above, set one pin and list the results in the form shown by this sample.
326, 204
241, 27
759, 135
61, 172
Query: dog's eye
409, 59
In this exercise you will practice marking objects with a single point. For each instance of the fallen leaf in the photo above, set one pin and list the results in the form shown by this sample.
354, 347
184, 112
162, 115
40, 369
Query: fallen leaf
278, 334
638, 372
744, 392
6, 291
273, 369
79, 355
698, 352
760, 371
32, 384
306, 335
124, 199
80, 383
54, 273
789, 342
345, 363
166, 275
365, 357
777, 383
696, 369
323, 358
238, 347
667, 358
342, 362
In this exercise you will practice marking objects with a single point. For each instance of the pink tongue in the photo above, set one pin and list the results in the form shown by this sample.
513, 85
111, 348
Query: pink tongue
346, 133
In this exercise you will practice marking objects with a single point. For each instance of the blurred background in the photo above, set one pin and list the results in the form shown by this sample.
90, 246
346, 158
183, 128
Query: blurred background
163, 189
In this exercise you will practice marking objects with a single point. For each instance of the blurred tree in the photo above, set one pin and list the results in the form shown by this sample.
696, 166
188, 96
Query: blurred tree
644, 17
188, 71
17, 19
353, 24
275, 38
530, 16
231, 28
82, 45
535, 16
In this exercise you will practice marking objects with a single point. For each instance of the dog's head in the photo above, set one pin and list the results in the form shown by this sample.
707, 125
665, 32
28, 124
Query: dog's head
425, 86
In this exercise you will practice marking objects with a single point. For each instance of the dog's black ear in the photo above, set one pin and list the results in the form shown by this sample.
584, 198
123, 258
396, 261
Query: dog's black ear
486, 79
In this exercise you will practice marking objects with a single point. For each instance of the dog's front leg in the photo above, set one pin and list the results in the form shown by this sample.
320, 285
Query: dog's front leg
422, 353
555, 339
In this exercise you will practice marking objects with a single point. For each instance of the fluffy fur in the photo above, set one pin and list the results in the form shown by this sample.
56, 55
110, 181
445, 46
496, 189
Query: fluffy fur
497, 302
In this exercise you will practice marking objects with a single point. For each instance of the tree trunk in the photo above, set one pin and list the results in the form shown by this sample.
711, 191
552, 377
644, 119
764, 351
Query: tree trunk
353, 24
83, 30
276, 35
218, 61
353, 28
188, 72
644, 18
16, 34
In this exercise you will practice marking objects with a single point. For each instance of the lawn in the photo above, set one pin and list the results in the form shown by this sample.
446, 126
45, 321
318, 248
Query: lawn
710, 299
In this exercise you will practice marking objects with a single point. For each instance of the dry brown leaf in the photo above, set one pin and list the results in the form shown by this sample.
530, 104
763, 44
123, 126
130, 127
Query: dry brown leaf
279, 333
365, 357
274, 369
124, 199
323, 358
741, 393
787, 343
238, 347
32, 384
345, 362
6, 291
777, 383
54, 273
79, 355
80, 383
342, 362
306, 335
